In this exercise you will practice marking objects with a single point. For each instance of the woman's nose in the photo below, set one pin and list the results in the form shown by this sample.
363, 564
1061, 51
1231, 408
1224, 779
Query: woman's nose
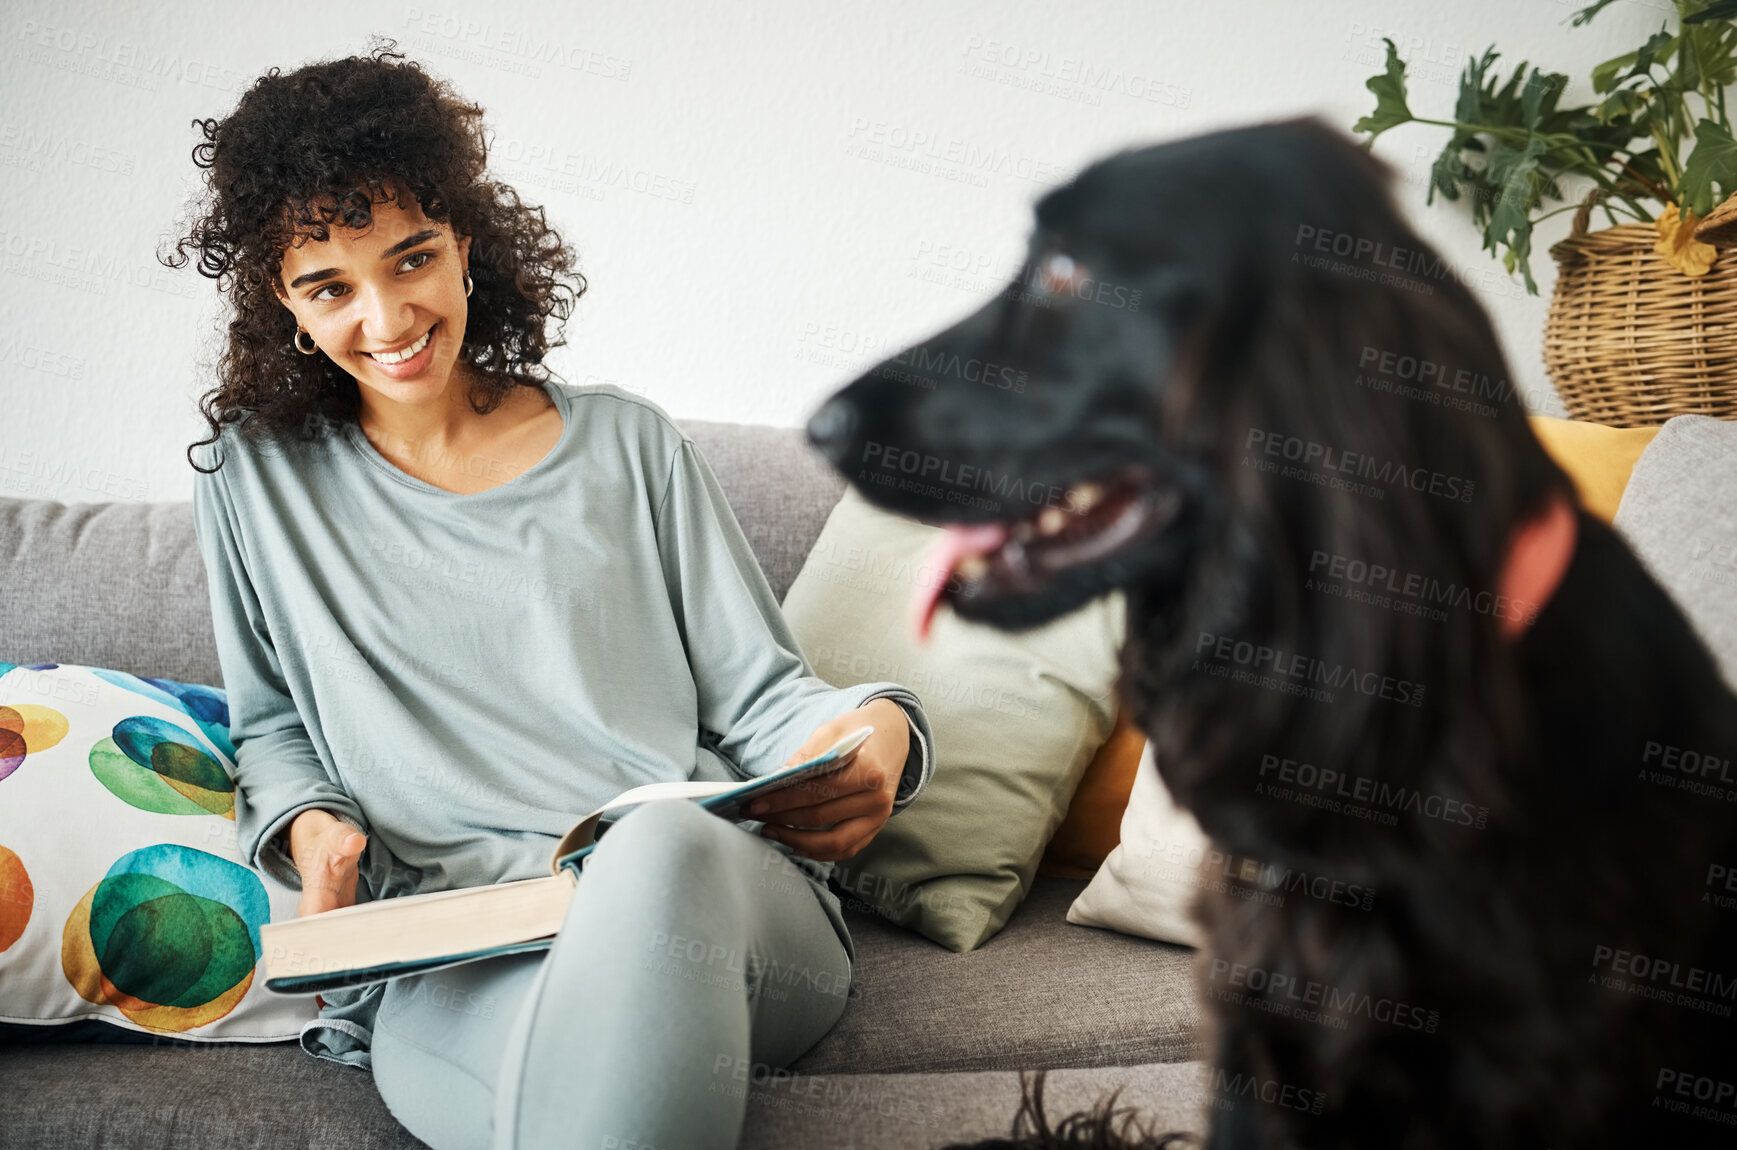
386, 317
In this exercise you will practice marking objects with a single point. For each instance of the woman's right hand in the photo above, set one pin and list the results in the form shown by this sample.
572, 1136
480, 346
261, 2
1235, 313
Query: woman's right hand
326, 851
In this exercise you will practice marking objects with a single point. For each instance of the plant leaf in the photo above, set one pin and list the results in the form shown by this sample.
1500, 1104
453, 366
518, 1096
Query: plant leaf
1448, 172
1504, 100
1709, 49
1586, 14
1470, 108
1657, 47
1688, 74
1717, 10
1604, 75
1622, 102
1539, 98
1390, 106
1714, 161
1715, 48
1481, 102
1516, 173
1639, 62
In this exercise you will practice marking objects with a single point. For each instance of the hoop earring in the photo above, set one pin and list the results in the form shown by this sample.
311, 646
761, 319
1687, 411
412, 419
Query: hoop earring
467, 285
311, 348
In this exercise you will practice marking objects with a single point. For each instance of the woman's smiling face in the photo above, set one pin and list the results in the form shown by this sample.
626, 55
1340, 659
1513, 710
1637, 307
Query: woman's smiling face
386, 303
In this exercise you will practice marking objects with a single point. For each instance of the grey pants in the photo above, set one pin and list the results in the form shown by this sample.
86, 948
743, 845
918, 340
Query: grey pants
695, 959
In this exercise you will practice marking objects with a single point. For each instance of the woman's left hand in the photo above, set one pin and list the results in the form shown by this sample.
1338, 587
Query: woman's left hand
852, 804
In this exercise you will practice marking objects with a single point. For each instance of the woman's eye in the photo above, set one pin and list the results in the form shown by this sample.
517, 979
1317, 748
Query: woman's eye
412, 262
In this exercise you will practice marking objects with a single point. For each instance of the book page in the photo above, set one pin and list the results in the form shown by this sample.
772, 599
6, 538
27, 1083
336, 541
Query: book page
320, 950
722, 798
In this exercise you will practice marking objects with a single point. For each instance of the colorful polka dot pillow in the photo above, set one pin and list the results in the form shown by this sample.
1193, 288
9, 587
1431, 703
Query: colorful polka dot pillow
123, 897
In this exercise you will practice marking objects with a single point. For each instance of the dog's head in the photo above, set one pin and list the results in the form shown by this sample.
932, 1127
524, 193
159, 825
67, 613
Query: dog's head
1181, 307
1222, 359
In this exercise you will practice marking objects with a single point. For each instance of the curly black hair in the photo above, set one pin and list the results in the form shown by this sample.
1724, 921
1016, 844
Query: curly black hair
324, 144
1106, 1127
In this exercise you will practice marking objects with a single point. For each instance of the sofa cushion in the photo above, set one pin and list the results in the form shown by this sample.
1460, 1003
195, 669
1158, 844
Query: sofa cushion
263, 1097
117, 585
903, 1111
1093, 825
169, 1096
1016, 719
779, 487
1041, 993
924, 1055
123, 896
1148, 885
1597, 458
1678, 515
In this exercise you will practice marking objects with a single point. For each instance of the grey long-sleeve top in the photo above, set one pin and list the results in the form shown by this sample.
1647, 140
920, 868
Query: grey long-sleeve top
464, 676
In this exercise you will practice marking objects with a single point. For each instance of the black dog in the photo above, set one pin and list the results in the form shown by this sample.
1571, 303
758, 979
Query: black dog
1372, 637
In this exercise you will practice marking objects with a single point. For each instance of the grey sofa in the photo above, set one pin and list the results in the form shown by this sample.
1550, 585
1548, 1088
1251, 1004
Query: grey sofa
925, 1054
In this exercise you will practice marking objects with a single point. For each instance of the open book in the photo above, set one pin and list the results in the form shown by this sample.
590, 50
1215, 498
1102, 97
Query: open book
390, 938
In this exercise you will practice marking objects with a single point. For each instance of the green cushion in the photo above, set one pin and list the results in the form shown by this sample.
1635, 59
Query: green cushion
1016, 718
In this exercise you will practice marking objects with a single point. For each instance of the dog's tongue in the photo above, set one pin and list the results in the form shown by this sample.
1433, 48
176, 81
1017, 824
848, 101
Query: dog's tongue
957, 543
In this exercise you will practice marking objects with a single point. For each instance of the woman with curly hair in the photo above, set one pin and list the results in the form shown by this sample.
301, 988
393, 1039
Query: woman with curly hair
458, 605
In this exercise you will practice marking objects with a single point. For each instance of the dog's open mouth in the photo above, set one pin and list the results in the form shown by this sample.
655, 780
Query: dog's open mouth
1097, 517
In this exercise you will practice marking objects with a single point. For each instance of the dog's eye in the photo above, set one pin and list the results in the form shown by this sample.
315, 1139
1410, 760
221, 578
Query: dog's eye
1059, 273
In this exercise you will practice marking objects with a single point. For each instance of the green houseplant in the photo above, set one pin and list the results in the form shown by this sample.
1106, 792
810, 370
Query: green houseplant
1513, 147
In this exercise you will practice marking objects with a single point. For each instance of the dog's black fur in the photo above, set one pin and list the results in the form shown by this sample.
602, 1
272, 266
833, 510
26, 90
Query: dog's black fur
1471, 1005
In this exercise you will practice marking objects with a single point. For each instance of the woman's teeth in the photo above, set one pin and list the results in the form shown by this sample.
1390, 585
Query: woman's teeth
401, 356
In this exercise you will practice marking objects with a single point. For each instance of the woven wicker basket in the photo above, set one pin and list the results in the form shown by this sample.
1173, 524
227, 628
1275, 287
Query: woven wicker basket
1631, 341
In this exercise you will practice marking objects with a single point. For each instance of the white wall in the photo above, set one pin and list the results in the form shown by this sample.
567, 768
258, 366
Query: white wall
723, 169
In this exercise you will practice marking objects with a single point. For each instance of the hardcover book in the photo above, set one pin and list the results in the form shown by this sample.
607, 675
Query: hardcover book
390, 938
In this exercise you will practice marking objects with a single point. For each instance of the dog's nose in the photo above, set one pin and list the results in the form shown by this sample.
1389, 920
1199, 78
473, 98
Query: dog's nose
831, 428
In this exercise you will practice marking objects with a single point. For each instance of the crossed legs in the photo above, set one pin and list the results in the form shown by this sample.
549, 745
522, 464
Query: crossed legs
693, 957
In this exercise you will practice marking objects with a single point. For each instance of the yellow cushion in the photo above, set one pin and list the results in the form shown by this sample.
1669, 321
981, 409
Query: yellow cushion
1598, 458
1093, 824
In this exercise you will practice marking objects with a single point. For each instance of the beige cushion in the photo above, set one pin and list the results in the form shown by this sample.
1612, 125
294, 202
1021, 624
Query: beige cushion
1016, 719
1148, 882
